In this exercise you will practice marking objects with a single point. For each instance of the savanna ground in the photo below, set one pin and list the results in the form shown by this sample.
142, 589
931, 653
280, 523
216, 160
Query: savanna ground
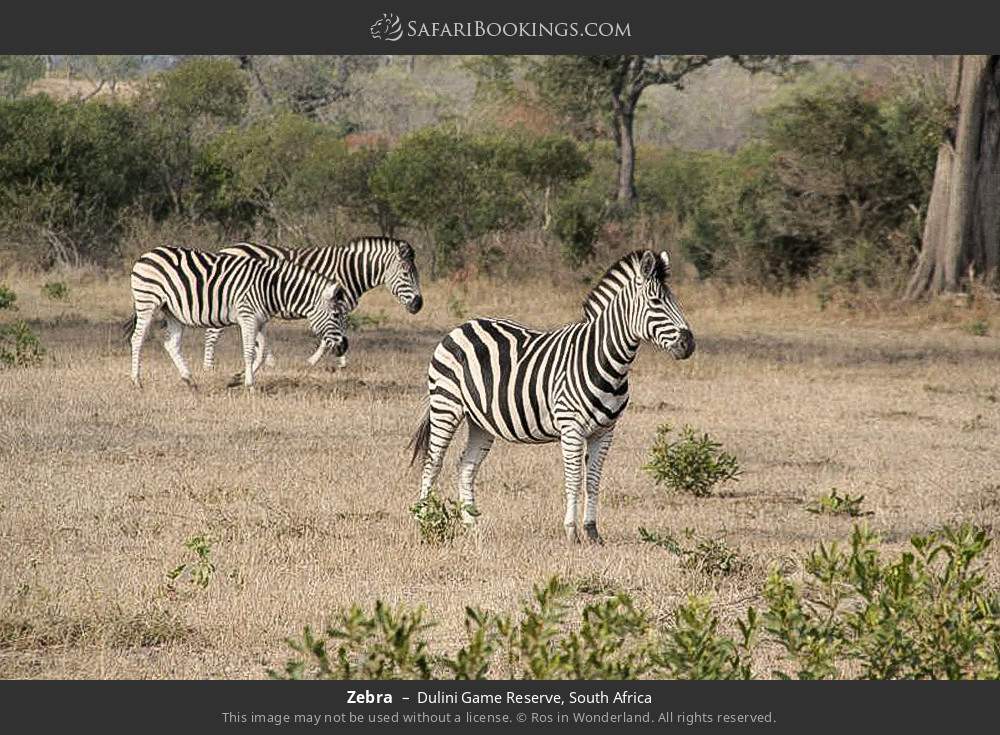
304, 490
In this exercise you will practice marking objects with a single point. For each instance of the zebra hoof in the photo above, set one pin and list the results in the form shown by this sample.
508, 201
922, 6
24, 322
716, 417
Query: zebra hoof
137, 384
572, 537
593, 537
190, 383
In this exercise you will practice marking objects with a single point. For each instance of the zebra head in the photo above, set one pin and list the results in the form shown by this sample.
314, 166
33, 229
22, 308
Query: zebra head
328, 318
402, 279
659, 316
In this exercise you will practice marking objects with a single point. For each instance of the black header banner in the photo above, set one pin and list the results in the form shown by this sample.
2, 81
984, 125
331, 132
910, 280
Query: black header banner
512, 26
499, 706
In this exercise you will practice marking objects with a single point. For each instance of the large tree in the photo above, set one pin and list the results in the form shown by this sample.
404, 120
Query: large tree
961, 238
587, 89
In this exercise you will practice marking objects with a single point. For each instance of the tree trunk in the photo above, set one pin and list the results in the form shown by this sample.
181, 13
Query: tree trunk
961, 237
624, 120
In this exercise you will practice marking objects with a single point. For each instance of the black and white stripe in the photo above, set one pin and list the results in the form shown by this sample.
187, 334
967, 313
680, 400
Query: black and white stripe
197, 289
359, 266
568, 385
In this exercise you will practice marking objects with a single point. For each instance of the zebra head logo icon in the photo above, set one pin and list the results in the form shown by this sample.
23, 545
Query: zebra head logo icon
387, 28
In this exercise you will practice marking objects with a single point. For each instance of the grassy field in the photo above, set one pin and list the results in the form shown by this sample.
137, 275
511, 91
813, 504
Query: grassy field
304, 489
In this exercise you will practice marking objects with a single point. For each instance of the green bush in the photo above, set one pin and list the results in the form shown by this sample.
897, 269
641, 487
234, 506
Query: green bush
440, 520
56, 290
7, 298
200, 571
928, 614
835, 504
692, 463
19, 347
710, 556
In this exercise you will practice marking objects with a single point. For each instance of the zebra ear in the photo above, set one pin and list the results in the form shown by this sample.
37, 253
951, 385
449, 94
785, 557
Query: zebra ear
405, 251
665, 263
333, 292
647, 266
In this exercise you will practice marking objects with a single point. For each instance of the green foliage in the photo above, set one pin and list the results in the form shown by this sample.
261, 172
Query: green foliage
69, 172
977, 328
835, 504
693, 648
8, 297
17, 71
458, 186
928, 614
692, 463
384, 644
357, 320
19, 347
710, 556
440, 520
56, 290
198, 572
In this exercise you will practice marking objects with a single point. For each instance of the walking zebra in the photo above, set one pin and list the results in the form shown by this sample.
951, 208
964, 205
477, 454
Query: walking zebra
359, 266
568, 385
198, 289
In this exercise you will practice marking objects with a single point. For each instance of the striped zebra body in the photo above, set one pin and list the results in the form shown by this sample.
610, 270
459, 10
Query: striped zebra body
358, 267
197, 289
568, 385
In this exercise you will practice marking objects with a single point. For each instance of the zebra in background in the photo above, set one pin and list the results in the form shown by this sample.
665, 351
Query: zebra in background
198, 289
568, 385
358, 267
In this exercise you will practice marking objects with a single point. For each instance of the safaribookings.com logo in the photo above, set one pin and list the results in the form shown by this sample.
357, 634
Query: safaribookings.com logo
390, 28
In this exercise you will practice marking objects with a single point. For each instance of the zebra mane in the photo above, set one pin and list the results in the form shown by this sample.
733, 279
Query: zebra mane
616, 278
372, 242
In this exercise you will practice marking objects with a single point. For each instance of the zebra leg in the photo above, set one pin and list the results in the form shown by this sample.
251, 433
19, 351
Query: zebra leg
445, 418
211, 337
342, 361
476, 448
318, 354
248, 330
573, 447
597, 450
172, 344
143, 319
260, 347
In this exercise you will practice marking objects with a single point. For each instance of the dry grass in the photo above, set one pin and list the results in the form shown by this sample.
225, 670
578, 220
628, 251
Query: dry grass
304, 490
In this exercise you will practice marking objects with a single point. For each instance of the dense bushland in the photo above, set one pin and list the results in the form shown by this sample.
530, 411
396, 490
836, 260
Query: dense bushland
832, 181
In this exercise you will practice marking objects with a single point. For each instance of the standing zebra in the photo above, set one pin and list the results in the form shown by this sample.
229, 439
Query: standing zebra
198, 289
568, 385
359, 266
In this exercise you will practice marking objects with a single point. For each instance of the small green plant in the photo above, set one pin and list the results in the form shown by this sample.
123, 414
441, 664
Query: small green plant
56, 290
199, 572
357, 320
383, 644
693, 648
456, 306
706, 555
694, 463
839, 505
977, 328
19, 347
439, 519
928, 614
7, 298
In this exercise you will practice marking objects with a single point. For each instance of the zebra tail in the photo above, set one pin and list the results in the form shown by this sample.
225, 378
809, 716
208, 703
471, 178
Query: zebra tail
421, 440
129, 327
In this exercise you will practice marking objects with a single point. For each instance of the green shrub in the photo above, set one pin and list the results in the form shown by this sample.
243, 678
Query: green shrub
710, 556
977, 328
928, 614
19, 347
693, 648
693, 463
384, 644
7, 298
56, 290
200, 571
439, 519
835, 504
